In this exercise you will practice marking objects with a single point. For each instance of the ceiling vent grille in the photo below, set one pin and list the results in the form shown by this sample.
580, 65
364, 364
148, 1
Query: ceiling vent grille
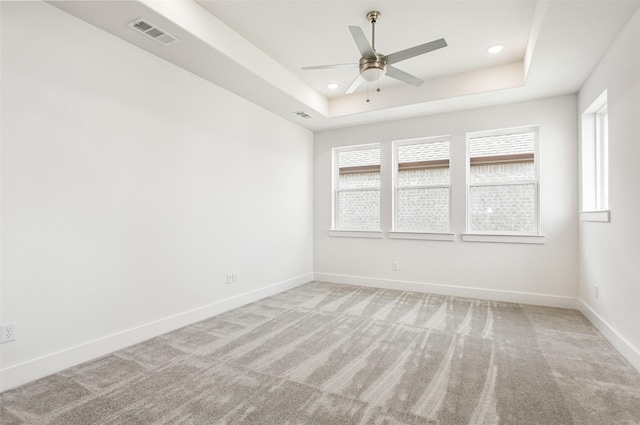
303, 115
152, 31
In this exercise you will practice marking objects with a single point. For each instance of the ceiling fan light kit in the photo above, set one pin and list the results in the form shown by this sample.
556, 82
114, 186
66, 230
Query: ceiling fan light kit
373, 70
373, 66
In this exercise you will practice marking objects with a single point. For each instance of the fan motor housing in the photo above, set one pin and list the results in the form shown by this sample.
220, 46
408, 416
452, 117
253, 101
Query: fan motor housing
367, 66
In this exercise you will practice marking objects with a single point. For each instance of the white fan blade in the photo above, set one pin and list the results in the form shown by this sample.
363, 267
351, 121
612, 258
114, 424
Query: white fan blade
363, 44
415, 51
354, 85
338, 65
403, 76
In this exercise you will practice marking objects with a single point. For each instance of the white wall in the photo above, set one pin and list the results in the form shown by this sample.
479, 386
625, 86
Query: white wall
608, 252
540, 274
129, 189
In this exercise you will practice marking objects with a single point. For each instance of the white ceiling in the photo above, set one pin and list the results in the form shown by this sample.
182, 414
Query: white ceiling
302, 33
257, 48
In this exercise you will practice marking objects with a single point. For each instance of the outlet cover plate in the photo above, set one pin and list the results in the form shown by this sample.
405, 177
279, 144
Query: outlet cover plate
7, 332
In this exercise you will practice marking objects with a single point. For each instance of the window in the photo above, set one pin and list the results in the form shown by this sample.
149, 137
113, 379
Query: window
595, 161
502, 182
356, 183
422, 188
602, 162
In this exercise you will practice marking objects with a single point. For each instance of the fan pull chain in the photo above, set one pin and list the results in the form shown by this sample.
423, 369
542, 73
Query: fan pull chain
377, 89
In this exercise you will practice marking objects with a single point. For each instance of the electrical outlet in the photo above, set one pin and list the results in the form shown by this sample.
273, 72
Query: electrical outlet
394, 266
234, 277
7, 332
229, 278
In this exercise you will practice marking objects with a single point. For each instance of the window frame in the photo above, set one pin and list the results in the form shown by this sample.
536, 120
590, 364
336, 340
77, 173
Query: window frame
594, 161
397, 233
505, 236
602, 160
335, 179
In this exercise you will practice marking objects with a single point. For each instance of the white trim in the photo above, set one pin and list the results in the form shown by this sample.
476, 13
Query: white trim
602, 216
376, 234
46, 365
481, 237
504, 131
451, 290
427, 236
628, 351
362, 147
421, 140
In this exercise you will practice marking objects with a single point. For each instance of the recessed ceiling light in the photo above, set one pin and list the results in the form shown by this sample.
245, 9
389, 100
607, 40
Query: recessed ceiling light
495, 49
333, 86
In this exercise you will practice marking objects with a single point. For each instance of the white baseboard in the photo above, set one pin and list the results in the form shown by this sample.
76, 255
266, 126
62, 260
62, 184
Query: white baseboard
457, 291
31, 370
628, 351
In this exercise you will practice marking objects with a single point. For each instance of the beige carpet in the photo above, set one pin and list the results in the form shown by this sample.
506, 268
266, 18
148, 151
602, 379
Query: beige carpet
328, 354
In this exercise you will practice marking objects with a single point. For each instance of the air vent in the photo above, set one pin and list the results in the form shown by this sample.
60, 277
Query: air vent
152, 31
303, 115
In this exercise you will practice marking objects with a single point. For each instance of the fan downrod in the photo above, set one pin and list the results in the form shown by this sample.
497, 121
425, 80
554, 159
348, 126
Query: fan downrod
373, 17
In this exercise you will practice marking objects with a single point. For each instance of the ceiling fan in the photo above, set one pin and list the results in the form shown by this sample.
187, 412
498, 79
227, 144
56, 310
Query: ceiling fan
373, 65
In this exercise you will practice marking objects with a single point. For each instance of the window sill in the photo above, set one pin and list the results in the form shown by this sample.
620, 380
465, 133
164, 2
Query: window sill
603, 216
375, 234
483, 237
423, 236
